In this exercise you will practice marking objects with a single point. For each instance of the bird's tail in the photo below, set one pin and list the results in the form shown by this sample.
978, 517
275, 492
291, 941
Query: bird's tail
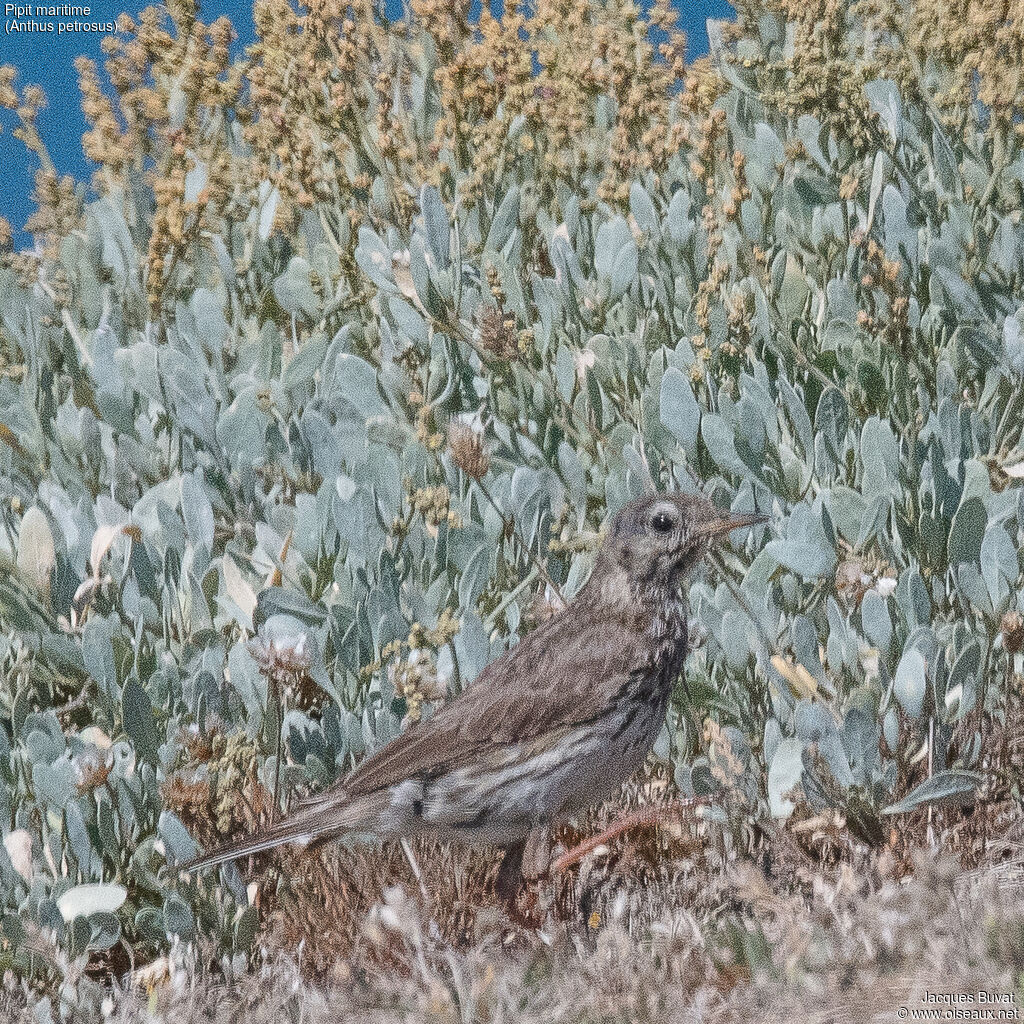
316, 820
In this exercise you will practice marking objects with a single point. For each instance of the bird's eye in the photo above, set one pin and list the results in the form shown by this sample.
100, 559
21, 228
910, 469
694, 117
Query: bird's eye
662, 522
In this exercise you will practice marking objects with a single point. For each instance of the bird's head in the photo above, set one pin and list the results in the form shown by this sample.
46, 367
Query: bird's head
657, 540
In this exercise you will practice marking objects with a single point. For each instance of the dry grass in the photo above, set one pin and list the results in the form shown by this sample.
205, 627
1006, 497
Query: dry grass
849, 952
683, 923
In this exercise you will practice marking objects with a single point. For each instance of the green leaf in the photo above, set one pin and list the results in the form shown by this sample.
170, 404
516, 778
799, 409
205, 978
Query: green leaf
197, 513
910, 682
475, 576
294, 289
952, 784
616, 258
436, 226
860, 741
285, 601
717, 435
680, 412
933, 538
625, 269
832, 420
106, 930
967, 532
805, 558
642, 208
884, 97
874, 615
506, 219
899, 235
842, 302
245, 929
680, 225
55, 784
573, 474
965, 675
785, 773
98, 653
807, 548
871, 379
137, 711
814, 191
92, 898
568, 272
301, 371
409, 321
36, 556
268, 209
208, 310
149, 922
178, 917
178, 843
999, 565
374, 259
242, 427
357, 384
847, 507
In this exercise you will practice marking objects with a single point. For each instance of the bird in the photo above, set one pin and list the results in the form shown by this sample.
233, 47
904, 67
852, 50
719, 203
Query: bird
551, 727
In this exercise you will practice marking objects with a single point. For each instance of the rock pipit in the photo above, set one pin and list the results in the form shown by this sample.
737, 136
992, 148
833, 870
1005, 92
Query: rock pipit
551, 727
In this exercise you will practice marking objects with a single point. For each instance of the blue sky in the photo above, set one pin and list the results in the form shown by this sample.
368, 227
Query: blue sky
46, 59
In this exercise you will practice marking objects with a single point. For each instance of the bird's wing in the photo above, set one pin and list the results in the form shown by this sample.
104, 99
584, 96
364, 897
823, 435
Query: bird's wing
558, 676
561, 675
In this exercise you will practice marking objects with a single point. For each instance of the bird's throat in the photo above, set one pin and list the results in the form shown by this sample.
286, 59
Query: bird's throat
655, 607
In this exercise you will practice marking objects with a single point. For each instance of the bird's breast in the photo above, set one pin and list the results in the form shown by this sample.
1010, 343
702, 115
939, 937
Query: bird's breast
668, 639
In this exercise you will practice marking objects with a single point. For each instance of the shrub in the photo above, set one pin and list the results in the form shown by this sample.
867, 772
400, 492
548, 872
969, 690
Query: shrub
317, 400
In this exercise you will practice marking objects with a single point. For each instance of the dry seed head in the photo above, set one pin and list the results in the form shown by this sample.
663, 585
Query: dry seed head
467, 451
286, 663
415, 678
498, 334
92, 767
1012, 627
187, 795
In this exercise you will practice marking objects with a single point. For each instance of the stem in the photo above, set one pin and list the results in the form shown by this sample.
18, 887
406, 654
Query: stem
279, 700
586, 440
510, 524
512, 595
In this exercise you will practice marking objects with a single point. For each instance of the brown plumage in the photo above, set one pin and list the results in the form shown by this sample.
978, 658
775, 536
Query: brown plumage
552, 726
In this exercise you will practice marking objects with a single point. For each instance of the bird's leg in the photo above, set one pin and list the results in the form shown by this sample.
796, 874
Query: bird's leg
644, 816
510, 874
536, 859
509, 886
536, 867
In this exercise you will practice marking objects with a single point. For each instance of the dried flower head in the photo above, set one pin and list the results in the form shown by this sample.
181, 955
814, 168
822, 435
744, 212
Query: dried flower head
1012, 627
415, 679
92, 768
187, 794
286, 663
434, 504
200, 744
857, 574
498, 334
467, 451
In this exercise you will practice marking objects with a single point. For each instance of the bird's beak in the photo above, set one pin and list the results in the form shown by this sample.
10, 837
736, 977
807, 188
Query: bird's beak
718, 528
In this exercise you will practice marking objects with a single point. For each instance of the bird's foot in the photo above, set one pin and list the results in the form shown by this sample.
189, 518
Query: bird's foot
676, 810
523, 909
510, 873
524, 867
